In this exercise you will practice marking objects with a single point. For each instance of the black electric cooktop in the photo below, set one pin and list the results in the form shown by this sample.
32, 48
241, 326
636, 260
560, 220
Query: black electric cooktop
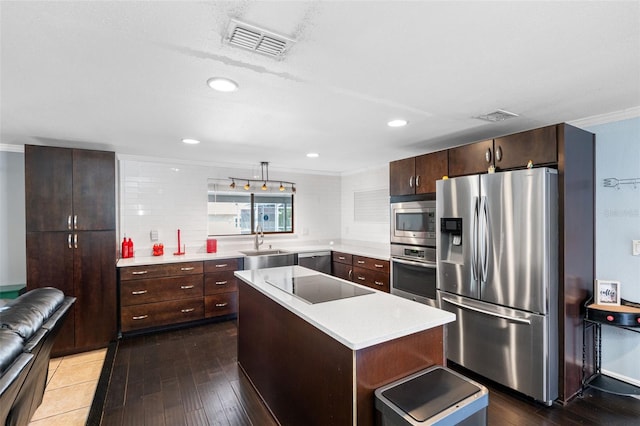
318, 288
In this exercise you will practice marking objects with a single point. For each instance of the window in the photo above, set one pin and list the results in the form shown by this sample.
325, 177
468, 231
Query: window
238, 212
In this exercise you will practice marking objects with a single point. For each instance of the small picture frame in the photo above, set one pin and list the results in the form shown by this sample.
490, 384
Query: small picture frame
607, 292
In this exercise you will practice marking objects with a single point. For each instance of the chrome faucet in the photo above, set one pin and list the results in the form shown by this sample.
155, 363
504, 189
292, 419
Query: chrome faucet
257, 243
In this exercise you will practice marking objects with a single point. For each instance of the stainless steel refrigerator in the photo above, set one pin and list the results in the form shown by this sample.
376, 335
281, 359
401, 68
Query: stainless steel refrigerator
497, 266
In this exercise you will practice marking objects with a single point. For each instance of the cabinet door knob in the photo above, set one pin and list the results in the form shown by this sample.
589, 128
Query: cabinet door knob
499, 153
380, 283
69, 222
378, 266
75, 241
360, 262
221, 305
185, 287
221, 282
140, 317
222, 265
487, 155
139, 272
186, 311
417, 181
191, 268
69, 240
139, 292
350, 273
361, 278
411, 182
75, 221
341, 258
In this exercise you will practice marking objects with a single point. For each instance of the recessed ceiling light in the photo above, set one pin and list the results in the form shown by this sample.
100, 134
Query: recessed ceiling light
397, 123
222, 84
191, 141
313, 155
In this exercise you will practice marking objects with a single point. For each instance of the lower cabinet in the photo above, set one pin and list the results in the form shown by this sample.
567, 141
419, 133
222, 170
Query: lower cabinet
363, 270
173, 293
220, 287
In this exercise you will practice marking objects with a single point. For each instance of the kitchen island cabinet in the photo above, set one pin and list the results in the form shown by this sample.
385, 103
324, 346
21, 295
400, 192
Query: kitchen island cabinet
319, 364
363, 270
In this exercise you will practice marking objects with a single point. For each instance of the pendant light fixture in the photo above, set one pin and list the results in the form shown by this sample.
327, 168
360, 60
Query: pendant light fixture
264, 178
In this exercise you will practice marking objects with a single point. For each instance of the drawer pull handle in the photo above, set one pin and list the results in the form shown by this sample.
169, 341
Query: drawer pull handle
191, 268
380, 283
139, 272
186, 311
361, 278
185, 287
221, 282
140, 317
138, 292
222, 265
360, 262
341, 258
378, 266
221, 305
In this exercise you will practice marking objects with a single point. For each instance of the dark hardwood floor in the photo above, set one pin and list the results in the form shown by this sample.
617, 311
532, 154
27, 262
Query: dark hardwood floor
190, 377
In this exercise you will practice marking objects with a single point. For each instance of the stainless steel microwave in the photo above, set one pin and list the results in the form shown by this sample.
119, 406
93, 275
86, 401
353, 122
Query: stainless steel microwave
414, 223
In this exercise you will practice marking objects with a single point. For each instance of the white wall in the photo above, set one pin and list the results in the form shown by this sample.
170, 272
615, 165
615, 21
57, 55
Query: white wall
617, 223
164, 196
12, 220
373, 231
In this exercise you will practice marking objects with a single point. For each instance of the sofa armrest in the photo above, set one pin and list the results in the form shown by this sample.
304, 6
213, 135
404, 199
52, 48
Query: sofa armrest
58, 315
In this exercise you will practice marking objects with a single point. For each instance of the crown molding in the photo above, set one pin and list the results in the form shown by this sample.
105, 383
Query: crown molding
610, 117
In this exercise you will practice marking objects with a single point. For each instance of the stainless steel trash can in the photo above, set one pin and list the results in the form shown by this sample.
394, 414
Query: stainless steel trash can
435, 396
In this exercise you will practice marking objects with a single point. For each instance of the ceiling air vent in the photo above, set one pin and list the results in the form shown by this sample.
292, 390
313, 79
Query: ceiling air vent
499, 115
257, 39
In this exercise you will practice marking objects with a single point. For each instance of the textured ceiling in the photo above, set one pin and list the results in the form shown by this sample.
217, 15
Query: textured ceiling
131, 76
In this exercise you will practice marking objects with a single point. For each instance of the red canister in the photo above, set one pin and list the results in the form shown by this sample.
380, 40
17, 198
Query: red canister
212, 245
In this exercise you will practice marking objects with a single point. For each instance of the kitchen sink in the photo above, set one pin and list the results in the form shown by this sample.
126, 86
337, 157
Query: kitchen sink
263, 252
258, 259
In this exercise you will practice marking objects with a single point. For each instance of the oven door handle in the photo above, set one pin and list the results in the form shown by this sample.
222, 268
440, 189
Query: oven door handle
421, 264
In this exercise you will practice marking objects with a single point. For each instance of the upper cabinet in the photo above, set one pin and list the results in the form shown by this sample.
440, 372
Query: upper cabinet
539, 146
65, 186
514, 151
471, 159
417, 175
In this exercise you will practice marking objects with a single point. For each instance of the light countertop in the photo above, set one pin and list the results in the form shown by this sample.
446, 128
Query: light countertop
382, 252
356, 322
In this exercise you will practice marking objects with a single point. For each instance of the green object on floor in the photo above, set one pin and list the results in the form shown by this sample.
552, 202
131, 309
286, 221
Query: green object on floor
12, 291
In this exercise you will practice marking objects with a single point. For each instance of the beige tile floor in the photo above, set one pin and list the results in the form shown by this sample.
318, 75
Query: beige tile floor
70, 388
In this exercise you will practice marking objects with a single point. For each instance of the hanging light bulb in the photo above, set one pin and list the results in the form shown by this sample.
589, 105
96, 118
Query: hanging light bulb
247, 186
233, 184
281, 187
264, 186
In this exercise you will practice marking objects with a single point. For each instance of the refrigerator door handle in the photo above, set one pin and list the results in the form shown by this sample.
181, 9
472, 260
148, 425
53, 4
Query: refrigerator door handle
485, 238
474, 241
483, 311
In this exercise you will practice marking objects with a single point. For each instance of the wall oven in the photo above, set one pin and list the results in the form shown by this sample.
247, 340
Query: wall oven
414, 223
413, 273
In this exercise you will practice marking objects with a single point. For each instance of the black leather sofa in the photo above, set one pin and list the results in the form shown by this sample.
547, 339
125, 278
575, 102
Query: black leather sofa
28, 327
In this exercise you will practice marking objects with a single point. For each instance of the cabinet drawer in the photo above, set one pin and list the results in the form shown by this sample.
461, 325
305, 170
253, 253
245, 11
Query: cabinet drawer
371, 263
161, 313
222, 282
221, 265
221, 304
136, 292
342, 270
156, 271
373, 279
342, 257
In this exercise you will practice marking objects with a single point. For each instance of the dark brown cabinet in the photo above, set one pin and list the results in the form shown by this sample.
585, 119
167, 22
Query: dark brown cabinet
471, 159
417, 175
506, 153
538, 146
363, 270
221, 287
71, 241
160, 295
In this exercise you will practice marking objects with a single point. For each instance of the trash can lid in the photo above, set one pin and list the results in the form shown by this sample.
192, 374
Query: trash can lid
431, 393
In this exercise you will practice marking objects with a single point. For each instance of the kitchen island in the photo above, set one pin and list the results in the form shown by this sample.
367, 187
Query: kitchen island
316, 347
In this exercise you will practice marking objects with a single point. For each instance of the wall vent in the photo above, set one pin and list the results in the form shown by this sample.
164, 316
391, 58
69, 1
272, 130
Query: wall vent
498, 115
259, 40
